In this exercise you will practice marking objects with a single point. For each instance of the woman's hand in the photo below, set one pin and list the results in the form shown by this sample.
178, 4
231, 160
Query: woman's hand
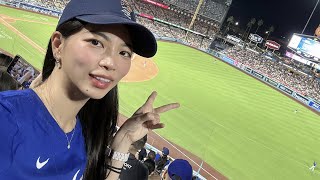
144, 119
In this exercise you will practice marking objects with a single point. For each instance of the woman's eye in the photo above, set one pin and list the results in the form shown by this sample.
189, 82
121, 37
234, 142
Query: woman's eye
95, 42
126, 54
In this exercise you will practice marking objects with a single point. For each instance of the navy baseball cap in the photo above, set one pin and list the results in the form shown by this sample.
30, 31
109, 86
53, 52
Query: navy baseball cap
181, 168
165, 151
112, 12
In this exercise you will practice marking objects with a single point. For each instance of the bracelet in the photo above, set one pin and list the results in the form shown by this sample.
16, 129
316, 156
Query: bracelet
114, 169
118, 156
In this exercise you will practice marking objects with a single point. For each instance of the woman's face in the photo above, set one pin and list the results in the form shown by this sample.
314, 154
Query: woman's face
95, 59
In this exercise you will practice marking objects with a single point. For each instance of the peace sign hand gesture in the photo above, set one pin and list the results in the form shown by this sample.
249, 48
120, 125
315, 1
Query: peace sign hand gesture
144, 119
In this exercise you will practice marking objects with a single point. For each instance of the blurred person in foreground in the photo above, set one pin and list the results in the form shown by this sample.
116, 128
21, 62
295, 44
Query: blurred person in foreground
178, 169
7, 82
134, 169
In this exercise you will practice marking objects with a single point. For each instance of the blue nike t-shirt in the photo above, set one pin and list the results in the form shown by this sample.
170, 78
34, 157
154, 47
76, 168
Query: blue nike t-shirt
33, 146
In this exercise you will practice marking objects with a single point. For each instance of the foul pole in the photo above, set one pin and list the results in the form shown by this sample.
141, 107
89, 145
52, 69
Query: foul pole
194, 17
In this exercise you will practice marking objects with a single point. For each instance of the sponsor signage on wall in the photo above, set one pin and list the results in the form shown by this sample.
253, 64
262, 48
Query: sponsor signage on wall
233, 38
301, 98
255, 38
272, 45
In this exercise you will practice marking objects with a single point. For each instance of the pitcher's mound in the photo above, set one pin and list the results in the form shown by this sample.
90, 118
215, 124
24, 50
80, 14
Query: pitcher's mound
142, 69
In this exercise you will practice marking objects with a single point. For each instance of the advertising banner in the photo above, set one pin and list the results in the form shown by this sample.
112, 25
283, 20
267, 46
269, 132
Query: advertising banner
157, 4
315, 105
301, 98
271, 82
285, 89
248, 70
272, 45
258, 75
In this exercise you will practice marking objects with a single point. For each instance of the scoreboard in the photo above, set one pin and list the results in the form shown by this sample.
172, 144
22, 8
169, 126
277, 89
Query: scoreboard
305, 45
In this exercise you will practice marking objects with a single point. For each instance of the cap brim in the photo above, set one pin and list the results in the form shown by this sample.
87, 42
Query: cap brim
144, 42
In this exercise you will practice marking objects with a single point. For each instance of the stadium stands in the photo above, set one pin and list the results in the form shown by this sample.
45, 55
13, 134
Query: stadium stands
288, 73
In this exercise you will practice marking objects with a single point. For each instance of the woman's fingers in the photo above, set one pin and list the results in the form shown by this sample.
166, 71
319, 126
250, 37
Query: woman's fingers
156, 126
166, 108
151, 99
150, 117
148, 105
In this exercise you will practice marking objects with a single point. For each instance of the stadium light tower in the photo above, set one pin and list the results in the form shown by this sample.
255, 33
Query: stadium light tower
315, 7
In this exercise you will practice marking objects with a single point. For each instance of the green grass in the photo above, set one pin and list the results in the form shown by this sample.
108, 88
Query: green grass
237, 124
39, 33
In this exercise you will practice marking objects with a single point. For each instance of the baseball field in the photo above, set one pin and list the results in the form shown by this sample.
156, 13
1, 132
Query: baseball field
238, 125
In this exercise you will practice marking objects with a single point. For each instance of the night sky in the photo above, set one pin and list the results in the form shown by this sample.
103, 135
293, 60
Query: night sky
286, 16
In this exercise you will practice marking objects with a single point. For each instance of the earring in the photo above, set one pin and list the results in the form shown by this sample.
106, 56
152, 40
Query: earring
58, 63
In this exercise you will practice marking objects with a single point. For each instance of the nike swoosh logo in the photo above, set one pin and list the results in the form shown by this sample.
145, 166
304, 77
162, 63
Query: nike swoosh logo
75, 176
41, 164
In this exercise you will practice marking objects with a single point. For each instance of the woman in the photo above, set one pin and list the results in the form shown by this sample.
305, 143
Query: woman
63, 129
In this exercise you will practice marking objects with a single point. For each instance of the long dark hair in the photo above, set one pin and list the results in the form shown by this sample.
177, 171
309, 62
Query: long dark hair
98, 117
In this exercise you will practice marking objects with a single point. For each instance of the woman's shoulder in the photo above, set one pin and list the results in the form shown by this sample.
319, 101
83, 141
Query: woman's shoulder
13, 94
12, 100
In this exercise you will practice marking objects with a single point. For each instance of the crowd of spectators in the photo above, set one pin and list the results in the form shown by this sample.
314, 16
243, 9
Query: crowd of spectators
161, 166
175, 16
292, 74
182, 20
212, 9
56, 5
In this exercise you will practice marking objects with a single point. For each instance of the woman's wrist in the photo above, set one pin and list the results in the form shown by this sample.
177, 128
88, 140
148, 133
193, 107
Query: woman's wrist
121, 145
121, 142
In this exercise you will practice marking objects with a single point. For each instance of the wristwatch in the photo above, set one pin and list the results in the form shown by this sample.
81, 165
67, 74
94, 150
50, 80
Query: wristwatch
115, 155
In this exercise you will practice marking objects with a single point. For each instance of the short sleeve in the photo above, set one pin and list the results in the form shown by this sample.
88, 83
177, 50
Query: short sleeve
8, 130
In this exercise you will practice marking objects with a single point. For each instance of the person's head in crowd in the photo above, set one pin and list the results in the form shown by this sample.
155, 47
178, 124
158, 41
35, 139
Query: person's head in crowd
195, 178
7, 82
165, 151
178, 169
151, 155
150, 164
136, 146
142, 154
162, 159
